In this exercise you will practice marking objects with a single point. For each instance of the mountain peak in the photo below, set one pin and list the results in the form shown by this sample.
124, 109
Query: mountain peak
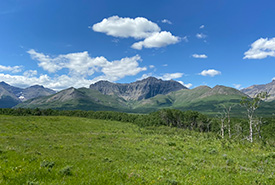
151, 78
4, 83
138, 90
37, 86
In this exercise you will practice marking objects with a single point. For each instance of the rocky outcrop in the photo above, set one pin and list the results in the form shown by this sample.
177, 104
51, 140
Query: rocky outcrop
138, 90
253, 90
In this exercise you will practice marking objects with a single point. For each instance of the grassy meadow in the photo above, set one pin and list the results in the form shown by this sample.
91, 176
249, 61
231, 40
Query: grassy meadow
71, 150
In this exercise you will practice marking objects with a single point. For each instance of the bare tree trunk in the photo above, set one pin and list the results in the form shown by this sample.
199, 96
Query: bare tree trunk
228, 121
222, 127
227, 111
250, 129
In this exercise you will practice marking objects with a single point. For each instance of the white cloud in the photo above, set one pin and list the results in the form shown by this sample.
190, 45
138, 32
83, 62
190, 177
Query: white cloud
273, 78
202, 26
121, 68
200, 35
81, 64
46, 62
14, 69
157, 40
151, 66
237, 86
166, 76
210, 72
24, 81
166, 21
186, 85
80, 67
138, 28
30, 73
169, 76
199, 56
165, 65
144, 76
261, 48
56, 83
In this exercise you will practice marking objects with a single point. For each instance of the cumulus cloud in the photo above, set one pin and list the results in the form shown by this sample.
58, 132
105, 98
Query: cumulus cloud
24, 81
138, 28
144, 76
30, 73
81, 64
124, 67
186, 85
157, 40
56, 83
166, 76
169, 76
210, 72
199, 56
200, 35
14, 69
261, 48
45, 61
82, 70
166, 21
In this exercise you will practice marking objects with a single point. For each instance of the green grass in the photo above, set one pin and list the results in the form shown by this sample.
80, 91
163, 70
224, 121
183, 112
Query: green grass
67, 150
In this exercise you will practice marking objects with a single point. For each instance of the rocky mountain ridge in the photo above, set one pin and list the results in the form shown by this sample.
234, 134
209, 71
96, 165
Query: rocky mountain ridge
10, 95
255, 89
146, 97
141, 96
138, 90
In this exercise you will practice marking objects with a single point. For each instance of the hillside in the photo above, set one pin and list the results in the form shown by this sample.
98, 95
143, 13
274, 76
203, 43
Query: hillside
63, 150
202, 98
73, 99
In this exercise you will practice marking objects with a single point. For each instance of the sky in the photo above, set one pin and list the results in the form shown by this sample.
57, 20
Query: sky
74, 43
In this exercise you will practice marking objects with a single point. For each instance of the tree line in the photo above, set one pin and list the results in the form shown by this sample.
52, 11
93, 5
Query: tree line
223, 126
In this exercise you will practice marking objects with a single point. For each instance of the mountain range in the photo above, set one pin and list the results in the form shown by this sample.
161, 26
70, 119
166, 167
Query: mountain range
255, 89
11, 96
142, 96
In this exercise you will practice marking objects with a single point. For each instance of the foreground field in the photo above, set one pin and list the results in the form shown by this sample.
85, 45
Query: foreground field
67, 150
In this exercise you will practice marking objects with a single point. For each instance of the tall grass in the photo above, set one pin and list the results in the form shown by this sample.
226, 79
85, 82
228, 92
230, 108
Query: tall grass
70, 150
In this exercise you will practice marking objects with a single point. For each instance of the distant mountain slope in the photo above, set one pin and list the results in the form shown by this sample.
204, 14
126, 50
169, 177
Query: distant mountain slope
138, 90
145, 98
36, 91
255, 89
7, 99
202, 98
11, 96
77, 99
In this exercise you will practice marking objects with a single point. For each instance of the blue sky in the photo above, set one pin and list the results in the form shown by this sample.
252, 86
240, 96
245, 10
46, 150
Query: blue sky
65, 43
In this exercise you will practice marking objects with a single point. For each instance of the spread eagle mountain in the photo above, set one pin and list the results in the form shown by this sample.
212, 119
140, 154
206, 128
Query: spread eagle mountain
142, 96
